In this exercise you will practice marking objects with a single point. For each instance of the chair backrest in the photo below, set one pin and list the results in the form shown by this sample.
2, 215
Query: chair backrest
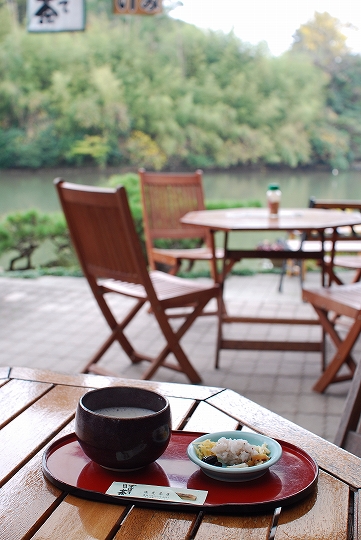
345, 233
103, 232
349, 431
166, 198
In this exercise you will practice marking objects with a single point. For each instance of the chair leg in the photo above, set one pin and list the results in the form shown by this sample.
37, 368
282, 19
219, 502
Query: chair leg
283, 271
357, 276
342, 354
219, 329
351, 414
173, 346
117, 332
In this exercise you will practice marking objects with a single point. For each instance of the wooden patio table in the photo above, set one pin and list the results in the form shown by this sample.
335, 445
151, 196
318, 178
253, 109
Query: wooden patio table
245, 220
38, 407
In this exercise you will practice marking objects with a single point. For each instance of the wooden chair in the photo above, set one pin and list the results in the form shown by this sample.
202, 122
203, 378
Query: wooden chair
166, 198
109, 250
331, 303
349, 237
344, 240
348, 435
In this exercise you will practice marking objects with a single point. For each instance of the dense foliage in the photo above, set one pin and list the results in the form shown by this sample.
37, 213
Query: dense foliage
159, 93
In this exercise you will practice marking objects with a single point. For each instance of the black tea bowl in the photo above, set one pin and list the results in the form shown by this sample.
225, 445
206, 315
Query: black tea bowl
123, 428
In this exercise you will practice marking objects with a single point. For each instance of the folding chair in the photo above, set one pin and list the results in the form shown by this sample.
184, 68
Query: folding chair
346, 235
341, 242
348, 435
109, 250
339, 300
166, 198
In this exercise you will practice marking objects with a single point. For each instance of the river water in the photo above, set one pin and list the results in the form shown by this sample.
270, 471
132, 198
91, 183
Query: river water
21, 190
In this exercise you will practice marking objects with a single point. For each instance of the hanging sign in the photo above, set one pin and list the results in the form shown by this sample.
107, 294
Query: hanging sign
137, 7
55, 15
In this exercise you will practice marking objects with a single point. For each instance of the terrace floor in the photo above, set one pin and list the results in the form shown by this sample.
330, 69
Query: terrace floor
54, 323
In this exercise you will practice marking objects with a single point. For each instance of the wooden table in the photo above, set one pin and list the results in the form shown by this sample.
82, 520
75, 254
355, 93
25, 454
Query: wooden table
245, 220
38, 407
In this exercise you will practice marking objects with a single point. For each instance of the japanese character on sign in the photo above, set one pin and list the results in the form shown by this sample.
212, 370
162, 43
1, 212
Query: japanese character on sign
55, 15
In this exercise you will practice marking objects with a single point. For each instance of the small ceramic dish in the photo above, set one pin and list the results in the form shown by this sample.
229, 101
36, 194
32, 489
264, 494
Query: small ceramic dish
232, 474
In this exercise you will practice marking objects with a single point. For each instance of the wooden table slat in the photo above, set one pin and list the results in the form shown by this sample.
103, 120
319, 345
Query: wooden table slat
16, 395
29, 431
207, 419
181, 409
190, 391
143, 524
80, 519
325, 511
235, 527
29, 490
4, 372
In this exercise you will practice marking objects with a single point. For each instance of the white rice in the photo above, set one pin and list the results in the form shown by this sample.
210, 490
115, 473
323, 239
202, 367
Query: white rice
237, 452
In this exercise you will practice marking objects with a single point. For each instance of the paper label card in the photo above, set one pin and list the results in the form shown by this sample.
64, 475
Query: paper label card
159, 493
55, 15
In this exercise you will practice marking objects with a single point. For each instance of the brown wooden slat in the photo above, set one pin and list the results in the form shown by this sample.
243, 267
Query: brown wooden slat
207, 419
145, 524
15, 396
80, 519
244, 344
234, 527
353, 443
348, 433
279, 254
99, 381
337, 461
181, 409
324, 515
38, 498
343, 300
357, 515
268, 320
33, 428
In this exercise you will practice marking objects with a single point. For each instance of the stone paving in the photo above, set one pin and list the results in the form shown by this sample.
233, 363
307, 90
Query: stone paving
54, 323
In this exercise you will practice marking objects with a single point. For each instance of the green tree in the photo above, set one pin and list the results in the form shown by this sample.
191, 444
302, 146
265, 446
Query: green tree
323, 40
336, 136
24, 232
156, 92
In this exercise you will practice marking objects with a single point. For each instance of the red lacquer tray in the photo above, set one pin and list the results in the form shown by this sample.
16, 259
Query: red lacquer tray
286, 482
